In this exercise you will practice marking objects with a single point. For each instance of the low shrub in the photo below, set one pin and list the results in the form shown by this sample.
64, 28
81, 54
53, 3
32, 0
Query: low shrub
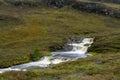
36, 55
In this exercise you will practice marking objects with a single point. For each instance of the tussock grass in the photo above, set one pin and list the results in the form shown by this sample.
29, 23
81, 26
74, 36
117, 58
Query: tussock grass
25, 28
100, 66
48, 29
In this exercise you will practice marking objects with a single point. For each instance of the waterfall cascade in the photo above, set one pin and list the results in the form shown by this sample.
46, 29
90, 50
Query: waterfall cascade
78, 50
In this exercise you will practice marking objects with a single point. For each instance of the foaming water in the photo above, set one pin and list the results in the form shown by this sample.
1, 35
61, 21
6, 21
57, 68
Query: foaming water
79, 50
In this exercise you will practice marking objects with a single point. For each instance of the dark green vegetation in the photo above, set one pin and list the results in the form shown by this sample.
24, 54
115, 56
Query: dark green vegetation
36, 55
29, 24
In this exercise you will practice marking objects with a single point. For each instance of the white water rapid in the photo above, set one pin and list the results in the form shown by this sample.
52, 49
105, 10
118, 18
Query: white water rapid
79, 50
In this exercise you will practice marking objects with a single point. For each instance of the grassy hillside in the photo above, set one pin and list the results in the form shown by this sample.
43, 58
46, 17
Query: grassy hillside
47, 29
97, 67
29, 27
25, 29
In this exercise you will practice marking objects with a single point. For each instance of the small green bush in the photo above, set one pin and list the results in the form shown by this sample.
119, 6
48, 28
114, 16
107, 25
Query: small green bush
36, 55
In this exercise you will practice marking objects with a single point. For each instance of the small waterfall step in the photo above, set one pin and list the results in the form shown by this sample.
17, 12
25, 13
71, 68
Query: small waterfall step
78, 50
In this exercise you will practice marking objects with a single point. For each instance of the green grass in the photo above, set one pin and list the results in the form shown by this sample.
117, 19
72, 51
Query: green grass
23, 29
48, 29
100, 66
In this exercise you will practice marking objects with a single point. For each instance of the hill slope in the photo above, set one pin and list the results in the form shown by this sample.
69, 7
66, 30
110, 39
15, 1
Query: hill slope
48, 29
31, 25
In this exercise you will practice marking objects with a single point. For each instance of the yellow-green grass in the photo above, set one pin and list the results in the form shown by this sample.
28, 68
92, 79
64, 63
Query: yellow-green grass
97, 67
43, 28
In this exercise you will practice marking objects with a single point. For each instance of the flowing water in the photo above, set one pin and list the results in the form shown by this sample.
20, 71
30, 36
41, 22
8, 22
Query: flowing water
79, 50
